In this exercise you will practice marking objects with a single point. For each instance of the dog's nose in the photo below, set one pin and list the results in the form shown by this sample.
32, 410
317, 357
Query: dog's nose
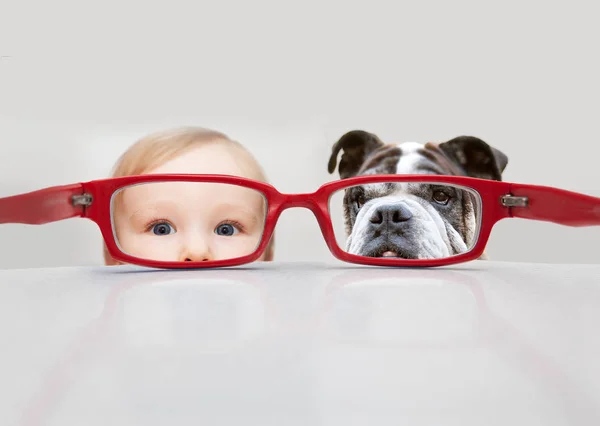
390, 215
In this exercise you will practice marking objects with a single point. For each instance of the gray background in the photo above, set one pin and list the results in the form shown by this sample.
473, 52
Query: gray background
80, 83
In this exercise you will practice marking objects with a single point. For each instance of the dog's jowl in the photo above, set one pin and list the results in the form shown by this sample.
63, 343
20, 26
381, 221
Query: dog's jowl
412, 220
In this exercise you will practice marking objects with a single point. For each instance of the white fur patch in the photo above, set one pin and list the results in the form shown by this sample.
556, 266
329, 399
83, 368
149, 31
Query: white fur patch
410, 158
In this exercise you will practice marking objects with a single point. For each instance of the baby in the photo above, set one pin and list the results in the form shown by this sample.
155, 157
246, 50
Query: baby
188, 221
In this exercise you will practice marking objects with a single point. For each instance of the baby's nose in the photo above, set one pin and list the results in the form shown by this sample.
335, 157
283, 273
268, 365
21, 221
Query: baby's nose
198, 251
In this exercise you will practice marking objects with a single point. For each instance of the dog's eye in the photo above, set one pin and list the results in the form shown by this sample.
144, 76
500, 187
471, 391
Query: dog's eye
359, 202
441, 197
356, 198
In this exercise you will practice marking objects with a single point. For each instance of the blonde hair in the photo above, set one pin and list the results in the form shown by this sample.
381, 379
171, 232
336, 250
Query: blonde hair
155, 149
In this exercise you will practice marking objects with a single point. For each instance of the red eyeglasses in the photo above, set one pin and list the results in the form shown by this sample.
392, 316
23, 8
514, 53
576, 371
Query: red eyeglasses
207, 221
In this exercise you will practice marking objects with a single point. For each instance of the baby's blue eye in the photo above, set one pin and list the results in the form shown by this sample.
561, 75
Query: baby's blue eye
225, 230
163, 229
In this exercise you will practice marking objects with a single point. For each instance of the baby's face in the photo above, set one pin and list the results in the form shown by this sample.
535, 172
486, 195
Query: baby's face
190, 221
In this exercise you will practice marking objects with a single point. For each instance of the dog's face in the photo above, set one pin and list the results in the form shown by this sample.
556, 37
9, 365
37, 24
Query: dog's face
413, 220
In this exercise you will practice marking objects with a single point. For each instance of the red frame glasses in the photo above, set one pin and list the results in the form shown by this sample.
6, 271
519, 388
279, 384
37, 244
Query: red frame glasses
499, 200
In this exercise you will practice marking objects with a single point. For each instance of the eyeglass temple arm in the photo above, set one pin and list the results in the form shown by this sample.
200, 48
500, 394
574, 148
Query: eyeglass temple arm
556, 205
43, 206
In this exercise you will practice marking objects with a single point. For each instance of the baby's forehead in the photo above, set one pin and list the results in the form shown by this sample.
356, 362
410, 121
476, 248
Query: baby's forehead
214, 158
187, 194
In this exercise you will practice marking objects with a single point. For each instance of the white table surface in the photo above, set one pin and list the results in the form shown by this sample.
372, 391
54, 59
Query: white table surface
483, 343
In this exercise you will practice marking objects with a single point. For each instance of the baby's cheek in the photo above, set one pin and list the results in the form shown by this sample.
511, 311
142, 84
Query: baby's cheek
231, 247
144, 246
119, 230
163, 248
125, 239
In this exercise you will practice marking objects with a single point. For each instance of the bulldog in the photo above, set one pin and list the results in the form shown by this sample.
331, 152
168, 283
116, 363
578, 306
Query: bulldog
416, 220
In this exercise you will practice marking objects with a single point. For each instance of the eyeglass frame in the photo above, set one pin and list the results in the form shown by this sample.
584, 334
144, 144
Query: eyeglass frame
499, 200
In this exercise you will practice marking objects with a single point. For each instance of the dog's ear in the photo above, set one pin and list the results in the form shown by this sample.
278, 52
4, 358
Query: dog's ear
477, 158
356, 145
